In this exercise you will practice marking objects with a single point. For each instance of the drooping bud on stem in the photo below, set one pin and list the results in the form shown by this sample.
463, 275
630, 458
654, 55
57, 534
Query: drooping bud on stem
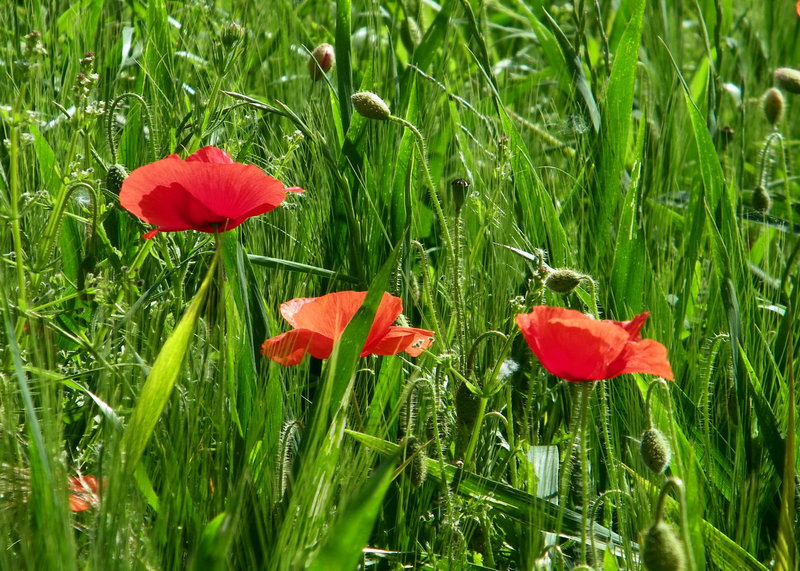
370, 106
654, 450
460, 187
761, 201
772, 103
788, 79
322, 60
563, 281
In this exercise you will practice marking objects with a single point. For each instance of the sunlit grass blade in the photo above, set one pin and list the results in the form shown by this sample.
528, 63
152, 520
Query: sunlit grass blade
350, 534
162, 378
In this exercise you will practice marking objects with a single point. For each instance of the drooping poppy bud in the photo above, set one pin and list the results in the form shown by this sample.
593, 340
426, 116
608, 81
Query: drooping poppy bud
563, 281
460, 187
761, 201
370, 106
322, 60
772, 103
788, 79
662, 550
654, 450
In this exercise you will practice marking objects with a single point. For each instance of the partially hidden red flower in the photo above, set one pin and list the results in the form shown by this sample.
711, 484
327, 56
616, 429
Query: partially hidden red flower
84, 493
578, 348
206, 192
319, 322
797, 8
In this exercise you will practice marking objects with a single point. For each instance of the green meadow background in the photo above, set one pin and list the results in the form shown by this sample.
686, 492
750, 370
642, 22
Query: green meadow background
624, 140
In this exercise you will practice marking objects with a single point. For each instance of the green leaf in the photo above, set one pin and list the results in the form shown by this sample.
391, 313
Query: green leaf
614, 136
162, 378
347, 538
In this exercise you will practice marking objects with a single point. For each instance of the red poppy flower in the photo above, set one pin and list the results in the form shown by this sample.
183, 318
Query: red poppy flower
797, 9
577, 348
206, 192
84, 493
319, 321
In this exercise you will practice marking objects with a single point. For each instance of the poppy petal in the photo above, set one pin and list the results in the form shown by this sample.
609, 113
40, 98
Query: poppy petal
646, 356
409, 339
290, 308
389, 309
577, 348
207, 192
571, 345
289, 348
211, 155
634, 326
327, 315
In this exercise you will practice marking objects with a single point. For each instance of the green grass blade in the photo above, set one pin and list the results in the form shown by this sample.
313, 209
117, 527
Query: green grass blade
162, 378
350, 534
616, 119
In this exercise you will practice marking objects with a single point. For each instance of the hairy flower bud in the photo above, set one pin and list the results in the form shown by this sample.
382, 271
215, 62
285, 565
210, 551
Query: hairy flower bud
370, 106
417, 469
662, 550
761, 200
772, 103
563, 281
460, 187
654, 450
788, 79
322, 60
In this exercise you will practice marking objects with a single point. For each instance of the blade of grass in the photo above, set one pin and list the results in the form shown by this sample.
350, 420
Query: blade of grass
162, 378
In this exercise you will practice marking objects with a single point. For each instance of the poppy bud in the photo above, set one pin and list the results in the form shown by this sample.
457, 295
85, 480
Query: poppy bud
460, 187
654, 450
788, 79
772, 103
563, 281
662, 550
761, 201
370, 106
232, 35
322, 60
115, 176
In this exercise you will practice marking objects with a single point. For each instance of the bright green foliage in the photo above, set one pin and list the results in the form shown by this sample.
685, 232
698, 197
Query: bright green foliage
623, 141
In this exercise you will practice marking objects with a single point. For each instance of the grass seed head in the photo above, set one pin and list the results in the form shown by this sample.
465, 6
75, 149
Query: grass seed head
370, 106
788, 79
662, 550
654, 450
772, 103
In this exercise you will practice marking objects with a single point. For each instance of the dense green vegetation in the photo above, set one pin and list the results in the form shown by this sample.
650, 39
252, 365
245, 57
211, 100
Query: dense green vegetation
626, 141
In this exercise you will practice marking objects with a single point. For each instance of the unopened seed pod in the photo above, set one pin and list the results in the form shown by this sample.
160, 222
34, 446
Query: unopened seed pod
654, 450
662, 550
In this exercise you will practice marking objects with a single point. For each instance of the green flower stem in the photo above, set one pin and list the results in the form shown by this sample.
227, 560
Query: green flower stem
16, 232
476, 429
585, 391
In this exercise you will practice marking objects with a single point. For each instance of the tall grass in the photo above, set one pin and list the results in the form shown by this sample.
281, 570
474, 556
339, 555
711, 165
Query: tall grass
624, 140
